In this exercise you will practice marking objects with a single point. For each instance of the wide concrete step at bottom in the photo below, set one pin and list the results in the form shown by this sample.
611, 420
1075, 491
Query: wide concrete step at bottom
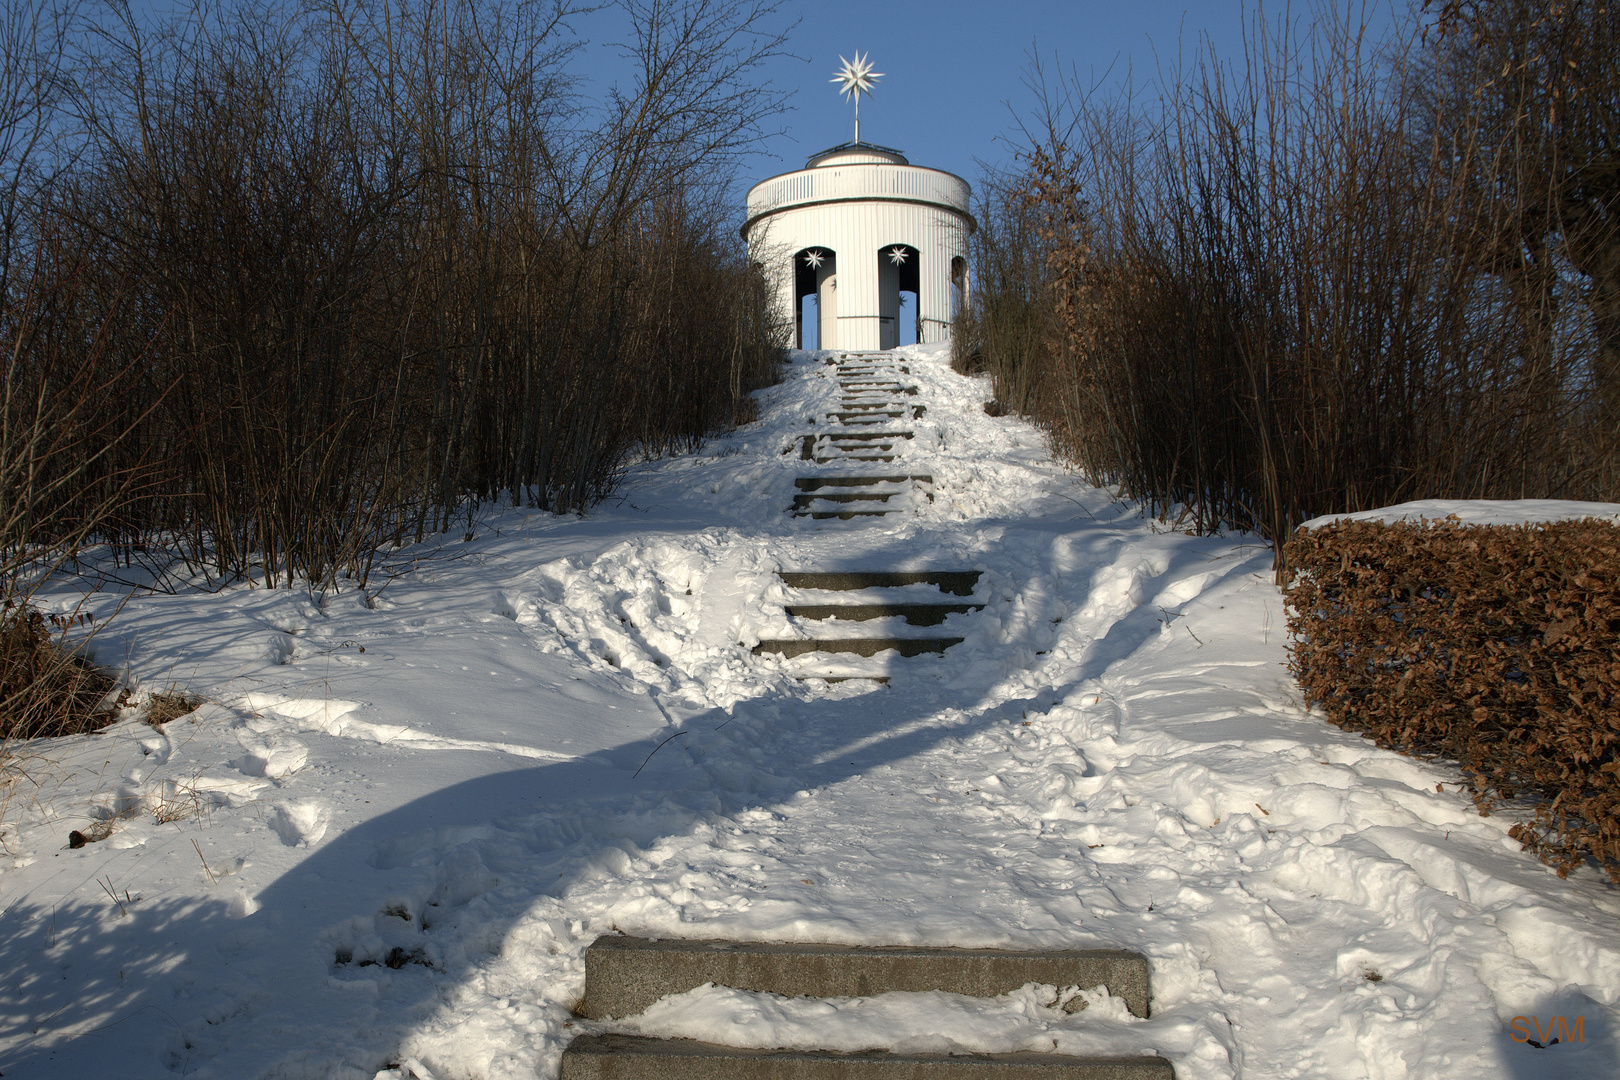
624, 974
636, 1057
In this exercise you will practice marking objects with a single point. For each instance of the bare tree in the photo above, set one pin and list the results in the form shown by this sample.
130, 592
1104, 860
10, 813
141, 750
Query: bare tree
1321, 280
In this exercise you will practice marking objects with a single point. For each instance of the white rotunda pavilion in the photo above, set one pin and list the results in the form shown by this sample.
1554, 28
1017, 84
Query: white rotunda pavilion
855, 228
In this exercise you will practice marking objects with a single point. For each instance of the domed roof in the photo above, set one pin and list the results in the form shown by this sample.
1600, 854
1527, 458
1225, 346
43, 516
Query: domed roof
856, 153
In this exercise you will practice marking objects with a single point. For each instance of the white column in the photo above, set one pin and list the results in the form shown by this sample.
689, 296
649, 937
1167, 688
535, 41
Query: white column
827, 304
888, 302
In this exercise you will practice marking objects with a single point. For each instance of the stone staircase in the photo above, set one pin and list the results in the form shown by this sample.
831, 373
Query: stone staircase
864, 613
838, 615
624, 975
868, 427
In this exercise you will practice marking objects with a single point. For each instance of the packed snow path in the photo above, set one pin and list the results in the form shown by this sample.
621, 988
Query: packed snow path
558, 728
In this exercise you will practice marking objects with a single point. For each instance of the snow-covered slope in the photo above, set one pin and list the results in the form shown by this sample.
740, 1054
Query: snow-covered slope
383, 845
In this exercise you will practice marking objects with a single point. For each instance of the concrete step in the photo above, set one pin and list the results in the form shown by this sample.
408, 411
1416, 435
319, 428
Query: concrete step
866, 416
914, 614
905, 646
814, 483
864, 490
636, 1057
800, 502
849, 440
878, 388
624, 975
955, 582
878, 441
852, 457
804, 500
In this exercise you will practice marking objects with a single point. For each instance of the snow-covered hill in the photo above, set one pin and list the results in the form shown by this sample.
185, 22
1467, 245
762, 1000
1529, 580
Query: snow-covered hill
382, 846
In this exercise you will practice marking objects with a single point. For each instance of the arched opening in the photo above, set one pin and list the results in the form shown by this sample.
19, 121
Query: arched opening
899, 282
815, 298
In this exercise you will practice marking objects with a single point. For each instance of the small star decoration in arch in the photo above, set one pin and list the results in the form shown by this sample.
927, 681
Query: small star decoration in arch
897, 256
812, 259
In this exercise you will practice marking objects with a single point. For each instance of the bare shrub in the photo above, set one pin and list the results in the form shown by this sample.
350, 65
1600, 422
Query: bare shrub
46, 689
1312, 283
355, 268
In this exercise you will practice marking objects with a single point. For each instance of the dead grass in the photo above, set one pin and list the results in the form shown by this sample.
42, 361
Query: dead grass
169, 705
177, 802
46, 689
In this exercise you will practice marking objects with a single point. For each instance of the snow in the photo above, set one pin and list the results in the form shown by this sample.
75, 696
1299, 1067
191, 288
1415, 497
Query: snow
1482, 512
382, 846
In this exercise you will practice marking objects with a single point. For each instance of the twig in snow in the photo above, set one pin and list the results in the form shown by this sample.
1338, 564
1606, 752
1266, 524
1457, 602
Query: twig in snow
1078, 503
212, 880
655, 750
106, 887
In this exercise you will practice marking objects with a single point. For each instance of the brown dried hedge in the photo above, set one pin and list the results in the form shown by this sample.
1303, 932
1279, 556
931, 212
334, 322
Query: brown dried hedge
1496, 646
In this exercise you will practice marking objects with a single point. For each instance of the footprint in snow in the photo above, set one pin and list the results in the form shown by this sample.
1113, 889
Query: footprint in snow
299, 823
269, 755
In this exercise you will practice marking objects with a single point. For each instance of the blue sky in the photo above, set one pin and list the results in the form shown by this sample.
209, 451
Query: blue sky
954, 68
